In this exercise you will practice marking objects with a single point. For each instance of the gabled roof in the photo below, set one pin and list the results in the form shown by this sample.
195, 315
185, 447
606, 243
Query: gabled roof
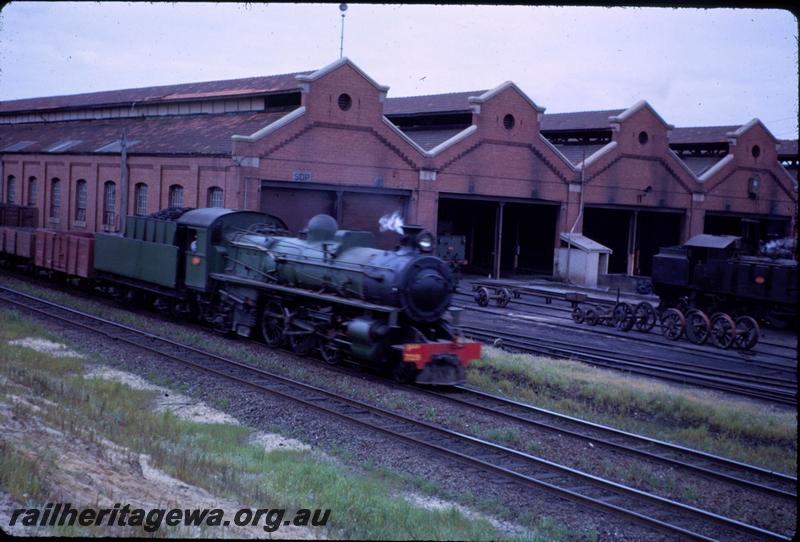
489, 94
453, 102
313, 76
746, 127
635, 108
580, 120
249, 86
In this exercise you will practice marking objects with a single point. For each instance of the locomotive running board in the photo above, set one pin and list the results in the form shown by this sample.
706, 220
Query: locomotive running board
391, 311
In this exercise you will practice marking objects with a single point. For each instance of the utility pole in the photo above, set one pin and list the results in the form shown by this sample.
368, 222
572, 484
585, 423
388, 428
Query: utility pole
578, 218
342, 8
123, 181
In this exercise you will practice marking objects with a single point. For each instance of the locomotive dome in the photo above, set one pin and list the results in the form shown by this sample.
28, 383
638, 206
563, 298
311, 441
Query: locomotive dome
321, 228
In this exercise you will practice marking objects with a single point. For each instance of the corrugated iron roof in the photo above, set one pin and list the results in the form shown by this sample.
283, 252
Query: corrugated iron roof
576, 153
787, 147
579, 120
701, 134
700, 164
428, 139
432, 103
191, 134
180, 92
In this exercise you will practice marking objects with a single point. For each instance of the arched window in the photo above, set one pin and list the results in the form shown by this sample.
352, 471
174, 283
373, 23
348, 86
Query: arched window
11, 189
80, 200
109, 203
140, 199
32, 189
176, 195
215, 197
55, 198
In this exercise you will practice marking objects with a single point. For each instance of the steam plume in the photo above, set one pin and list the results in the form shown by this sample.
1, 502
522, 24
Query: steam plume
393, 222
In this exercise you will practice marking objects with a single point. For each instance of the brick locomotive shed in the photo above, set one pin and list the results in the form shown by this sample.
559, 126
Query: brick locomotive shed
487, 164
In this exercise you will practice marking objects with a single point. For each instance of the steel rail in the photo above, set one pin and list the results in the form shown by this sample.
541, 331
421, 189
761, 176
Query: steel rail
473, 396
530, 344
788, 372
711, 354
485, 455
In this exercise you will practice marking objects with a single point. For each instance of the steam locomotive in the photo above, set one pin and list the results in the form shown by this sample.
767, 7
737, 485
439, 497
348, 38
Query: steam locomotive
329, 291
710, 272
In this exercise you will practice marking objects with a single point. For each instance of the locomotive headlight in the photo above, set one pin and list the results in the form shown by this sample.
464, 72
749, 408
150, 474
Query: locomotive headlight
425, 242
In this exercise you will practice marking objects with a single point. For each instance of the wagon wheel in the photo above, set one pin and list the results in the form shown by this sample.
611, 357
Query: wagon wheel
672, 324
698, 326
591, 317
644, 316
578, 315
273, 324
723, 330
482, 296
747, 332
503, 297
623, 316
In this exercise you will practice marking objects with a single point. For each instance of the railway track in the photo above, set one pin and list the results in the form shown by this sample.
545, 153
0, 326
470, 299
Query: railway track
754, 387
773, 355
521, 468
713, 466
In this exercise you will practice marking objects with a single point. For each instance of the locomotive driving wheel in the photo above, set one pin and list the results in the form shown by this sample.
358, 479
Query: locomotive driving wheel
329, 350
644, 317
302, 343
673, 324
623, 316
747, 332
578, 315
698, 326
273, 323
723, 330
482, 296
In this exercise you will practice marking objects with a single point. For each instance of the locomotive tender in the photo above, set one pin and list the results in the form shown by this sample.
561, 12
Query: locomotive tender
331, 291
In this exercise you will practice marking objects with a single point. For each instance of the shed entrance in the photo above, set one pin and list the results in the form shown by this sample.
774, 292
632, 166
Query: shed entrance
503, 237
634, 235
354, 208
750, 227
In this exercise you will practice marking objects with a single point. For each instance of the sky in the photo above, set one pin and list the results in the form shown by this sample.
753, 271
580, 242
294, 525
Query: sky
696, 67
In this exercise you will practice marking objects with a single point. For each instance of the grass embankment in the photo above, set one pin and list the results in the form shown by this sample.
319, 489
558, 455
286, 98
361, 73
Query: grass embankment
736, 428
216, 457
718, 423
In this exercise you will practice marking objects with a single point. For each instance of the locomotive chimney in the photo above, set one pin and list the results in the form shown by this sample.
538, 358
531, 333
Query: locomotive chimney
410, 234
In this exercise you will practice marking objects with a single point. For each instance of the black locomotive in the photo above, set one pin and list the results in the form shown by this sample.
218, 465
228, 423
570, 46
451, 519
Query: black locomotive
711, 273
